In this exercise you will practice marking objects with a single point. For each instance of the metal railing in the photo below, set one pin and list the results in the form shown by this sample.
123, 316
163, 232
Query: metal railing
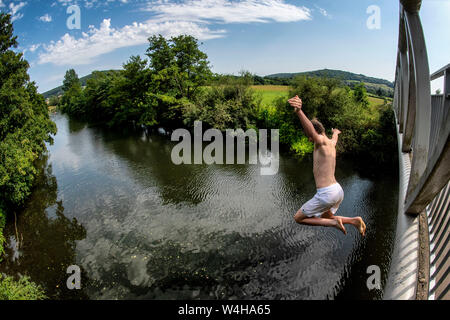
438, 211
438, 221
423, 125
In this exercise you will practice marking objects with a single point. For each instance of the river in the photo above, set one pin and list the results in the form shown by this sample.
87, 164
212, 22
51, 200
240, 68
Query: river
140, 227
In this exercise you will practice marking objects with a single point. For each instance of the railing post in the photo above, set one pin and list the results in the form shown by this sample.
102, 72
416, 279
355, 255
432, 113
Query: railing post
396, 102
447, 85
423, 101
412, 102
404, 89
412, 6
403, 71
437, 173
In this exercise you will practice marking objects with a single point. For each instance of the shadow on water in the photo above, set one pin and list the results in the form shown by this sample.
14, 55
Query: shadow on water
153, 230
42, 242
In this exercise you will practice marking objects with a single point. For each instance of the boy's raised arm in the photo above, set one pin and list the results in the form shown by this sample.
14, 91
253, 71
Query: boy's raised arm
297, 104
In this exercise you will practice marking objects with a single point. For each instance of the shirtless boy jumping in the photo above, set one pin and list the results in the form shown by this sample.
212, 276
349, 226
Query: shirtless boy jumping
321, 210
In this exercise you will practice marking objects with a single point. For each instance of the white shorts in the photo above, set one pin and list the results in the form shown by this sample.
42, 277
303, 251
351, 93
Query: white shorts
329, 198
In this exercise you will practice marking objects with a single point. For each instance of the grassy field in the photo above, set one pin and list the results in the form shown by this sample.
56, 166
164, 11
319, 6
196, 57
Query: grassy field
375, 102
52, 109
270, 93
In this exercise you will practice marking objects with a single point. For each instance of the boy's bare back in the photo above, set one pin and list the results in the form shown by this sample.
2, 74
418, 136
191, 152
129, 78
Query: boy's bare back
324, 162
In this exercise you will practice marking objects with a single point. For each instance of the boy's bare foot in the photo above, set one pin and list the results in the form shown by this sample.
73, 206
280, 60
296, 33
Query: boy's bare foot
339, 225
360, 225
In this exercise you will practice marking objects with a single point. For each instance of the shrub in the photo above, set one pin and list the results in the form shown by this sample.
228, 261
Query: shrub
23, 289
302, 147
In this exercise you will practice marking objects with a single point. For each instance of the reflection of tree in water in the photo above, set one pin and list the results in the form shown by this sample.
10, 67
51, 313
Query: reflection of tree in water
75, 126
46, 245
176, 183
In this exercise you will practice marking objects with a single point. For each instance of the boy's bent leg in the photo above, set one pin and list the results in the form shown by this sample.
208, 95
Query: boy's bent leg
357, 222
301, 218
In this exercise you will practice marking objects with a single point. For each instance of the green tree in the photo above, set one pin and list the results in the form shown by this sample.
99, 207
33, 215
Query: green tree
160, 53
7, 38
54, 101
228, 104
193, 66
70, 80
128, 90
179, 69
98, 92
72, 101
360, 93
179, 65
25, 125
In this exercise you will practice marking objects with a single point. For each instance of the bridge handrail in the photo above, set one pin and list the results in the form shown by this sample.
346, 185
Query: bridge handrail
423, 129
415, 115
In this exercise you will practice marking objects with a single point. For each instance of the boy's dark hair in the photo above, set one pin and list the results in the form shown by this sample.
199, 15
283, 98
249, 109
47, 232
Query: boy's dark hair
318, 126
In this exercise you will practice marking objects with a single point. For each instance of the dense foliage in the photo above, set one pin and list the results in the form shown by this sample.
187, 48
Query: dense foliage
22, 289
175, 87
374, 86
172, 89
368, 132
25, 126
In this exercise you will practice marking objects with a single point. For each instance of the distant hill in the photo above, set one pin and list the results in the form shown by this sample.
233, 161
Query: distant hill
58, 90
376, 86
337, 74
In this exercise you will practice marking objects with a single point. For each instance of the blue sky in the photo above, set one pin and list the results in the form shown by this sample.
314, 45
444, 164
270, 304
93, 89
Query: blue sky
261, 36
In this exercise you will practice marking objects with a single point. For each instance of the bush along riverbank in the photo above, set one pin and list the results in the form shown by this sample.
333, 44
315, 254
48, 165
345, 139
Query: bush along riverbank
25, 127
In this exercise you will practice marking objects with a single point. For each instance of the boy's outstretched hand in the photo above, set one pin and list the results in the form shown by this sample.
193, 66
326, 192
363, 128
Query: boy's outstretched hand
337, 131
296, 102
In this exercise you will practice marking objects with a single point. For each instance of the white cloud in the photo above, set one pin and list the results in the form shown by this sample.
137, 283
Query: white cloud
34, 47
223, 11
89, 3
69, 50
14, 10
323, 12
46, 18
192, 17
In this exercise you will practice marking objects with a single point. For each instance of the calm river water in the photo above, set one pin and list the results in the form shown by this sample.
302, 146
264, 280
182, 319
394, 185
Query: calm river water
140, 227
